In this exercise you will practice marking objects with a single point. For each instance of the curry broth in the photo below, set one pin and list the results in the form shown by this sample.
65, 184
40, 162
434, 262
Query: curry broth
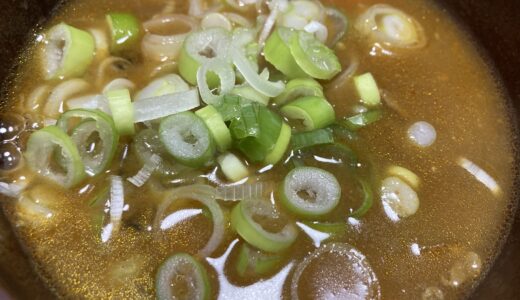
448, 83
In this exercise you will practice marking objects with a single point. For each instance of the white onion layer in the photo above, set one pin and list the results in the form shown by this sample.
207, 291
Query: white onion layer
158, 107
227, 80
63, 91
146, 171
423, 134
481, 175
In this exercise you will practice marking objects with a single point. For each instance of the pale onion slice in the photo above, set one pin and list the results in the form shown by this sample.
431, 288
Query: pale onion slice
226, 75
245, 191
398, 198
423, 134
168, 84
158, 107
96, 101
63, 91
101, 40
12, 189
266, 87
111, 67
36, 98
481, 175
196, 8
238, 20
178, 217
319, 30
214, 19
146, 171
118, 84
117, 200
204, 194
270, 22
389, 26
160, 47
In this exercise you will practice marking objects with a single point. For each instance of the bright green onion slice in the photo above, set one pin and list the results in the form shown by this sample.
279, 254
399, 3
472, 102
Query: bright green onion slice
95, 159
316, 59
226, 78
201, 47
368, 199
187, 139
278, 53
260, 138
125, 31
122, 111
247, 92
41, 151
280, 147
253, 262
298, 88
182, 277
216, 126
230, 107
361, 120
315, 112
312, 138
272, 239
68, 52
367, 89
232, 167
310, 192
246, 123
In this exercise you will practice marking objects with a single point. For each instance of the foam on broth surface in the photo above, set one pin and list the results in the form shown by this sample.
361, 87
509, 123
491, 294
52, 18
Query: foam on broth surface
447, 84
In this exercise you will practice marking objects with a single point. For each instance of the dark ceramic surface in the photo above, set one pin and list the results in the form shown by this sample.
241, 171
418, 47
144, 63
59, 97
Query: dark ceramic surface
495, 23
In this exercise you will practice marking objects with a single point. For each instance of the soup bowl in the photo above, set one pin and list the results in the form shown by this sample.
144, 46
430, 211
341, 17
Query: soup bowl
493, 23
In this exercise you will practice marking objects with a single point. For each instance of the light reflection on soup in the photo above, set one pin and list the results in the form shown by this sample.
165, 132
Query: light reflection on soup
433, 229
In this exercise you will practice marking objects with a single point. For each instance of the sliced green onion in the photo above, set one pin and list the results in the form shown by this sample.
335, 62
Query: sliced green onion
232, 167
230, 107
264, 86
165, 105
168, 84
315, 112
410, 177
245, 191
310, 192
246, 124
298, 88
146, 171
343, 133
125, 30
187, 139
280, 147
200, 48
247, 92
335, 153
68, 52
398, 198
312, 138
368, 199
313, 57
367, 89
216, 126
182, 277
41, 149
361, 120
252, 262
147, 144
244, 222
260, 139
278, 53
226, 78
122, 111
95, 160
